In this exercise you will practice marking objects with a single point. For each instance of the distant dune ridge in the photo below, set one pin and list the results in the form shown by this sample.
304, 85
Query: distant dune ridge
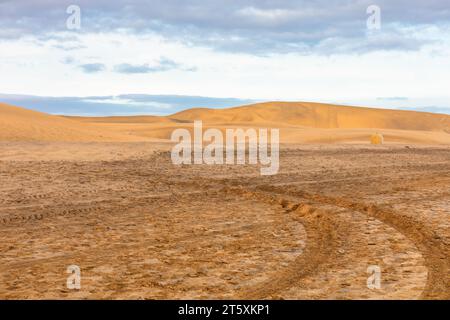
299, 122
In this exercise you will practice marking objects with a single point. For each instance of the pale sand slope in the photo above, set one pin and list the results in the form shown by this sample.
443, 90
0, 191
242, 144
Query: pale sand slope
298, 123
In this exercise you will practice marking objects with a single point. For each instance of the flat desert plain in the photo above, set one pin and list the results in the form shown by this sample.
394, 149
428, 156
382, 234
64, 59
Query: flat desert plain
103, 194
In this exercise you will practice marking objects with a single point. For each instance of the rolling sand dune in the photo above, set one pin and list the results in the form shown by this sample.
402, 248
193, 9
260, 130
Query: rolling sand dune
298, 122
316, 115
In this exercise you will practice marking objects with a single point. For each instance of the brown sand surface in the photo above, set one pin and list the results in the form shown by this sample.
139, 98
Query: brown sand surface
140, 227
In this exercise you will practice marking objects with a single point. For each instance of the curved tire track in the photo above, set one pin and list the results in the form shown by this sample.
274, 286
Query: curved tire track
433, 249
323, 231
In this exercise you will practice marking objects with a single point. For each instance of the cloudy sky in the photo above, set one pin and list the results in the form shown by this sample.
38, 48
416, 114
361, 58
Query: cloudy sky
160, 56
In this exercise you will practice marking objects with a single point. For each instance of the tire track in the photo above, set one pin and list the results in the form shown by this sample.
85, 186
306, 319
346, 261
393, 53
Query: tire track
431, 246
324, 234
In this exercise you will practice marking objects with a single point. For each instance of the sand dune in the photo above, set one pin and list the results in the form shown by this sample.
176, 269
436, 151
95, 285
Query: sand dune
316, 115
298, 122
19, 124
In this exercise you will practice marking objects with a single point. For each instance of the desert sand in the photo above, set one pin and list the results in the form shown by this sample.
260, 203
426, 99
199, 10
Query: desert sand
103, 194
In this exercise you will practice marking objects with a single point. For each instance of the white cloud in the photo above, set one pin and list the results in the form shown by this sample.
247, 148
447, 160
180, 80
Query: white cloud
36, 66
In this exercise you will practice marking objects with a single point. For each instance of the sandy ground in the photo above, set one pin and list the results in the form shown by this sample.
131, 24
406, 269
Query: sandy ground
140, 227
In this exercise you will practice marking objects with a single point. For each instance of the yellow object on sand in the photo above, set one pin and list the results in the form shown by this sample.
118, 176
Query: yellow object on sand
377, 138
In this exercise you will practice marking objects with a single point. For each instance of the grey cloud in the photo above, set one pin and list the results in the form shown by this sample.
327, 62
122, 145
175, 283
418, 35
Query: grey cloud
129, 68
164, 64
255, 26
92, 67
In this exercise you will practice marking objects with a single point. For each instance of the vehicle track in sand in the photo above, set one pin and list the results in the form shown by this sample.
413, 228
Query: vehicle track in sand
328, 230
434, 251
